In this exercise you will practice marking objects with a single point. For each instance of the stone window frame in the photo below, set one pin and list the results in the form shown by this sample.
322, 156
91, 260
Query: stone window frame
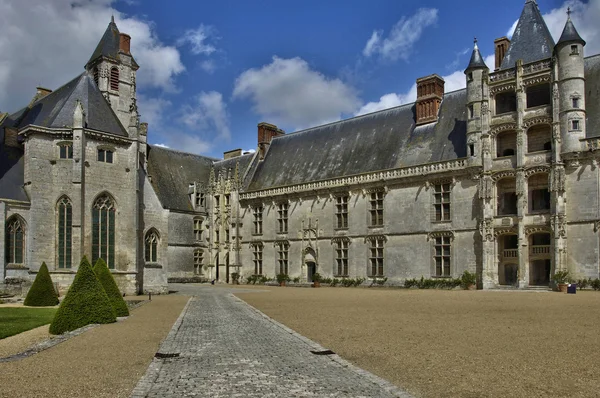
198, 261
283, 257
115, 76
341, 211
257, 219
575, 124
283, 217
102, 154
200, 199
576, 101
151, 241
257, 257
574, 49
104, 204
376, 208
441, 198
64, 232
341, 256
441, 259
65, 150
15, 239
197, 227
376, 255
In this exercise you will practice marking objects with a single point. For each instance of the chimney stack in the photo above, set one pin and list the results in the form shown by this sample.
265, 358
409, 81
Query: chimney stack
41, 92
501, 45
266, 133
11, 137
124, 43
430, 91
234, 153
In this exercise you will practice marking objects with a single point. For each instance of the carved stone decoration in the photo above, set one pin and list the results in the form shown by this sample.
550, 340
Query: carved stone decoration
521, 191
502, 127
597, 226
556, 134
535, 229
106, 97
536, 120
281, 243
536, 169
537, 80
505, 231
593, 144
340, 239
520, 138
486, 187
503, 174
486, 230
486, 146
559, 225
485, 108
557, 179
440, 234
372, 238
252, 245
555, 93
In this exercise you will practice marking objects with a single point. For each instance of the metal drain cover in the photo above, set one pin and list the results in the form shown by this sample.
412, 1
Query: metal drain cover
324, 352
166, 355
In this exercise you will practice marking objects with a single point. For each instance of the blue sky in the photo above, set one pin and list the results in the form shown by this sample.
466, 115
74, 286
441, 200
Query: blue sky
210, 71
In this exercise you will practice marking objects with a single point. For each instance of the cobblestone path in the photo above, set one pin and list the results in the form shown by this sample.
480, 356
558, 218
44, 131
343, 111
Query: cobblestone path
222, 347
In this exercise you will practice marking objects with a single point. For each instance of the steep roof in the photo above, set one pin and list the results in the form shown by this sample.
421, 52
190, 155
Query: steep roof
377, 141
109, 44
592, 95
171, 172
56, 109
227, 166
531, 40
11, 172
476, 61
570, 34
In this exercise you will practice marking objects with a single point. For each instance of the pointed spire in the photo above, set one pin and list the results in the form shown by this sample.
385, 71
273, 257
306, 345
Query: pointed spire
109, 44
570, 34
476, 61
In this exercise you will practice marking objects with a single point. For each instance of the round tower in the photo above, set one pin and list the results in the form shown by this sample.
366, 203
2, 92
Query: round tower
571, 87
475, 73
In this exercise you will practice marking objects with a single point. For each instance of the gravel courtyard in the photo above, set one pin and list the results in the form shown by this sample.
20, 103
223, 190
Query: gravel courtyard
453, 343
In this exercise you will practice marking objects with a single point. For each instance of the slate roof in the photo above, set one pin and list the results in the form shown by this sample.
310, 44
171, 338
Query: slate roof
570, 34
476, 61
56, 109
378, 141
531, 40
228, 165
171, 172
11, 172
592, 95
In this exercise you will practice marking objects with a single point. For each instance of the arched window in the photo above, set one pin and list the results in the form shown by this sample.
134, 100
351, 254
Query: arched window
103, 230
151, 246
114, 78
65, 224
15, 241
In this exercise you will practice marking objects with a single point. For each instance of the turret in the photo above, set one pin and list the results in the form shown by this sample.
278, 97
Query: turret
571, 87
476, 98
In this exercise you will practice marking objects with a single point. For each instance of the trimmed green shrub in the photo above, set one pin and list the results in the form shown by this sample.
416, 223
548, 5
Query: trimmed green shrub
42, 293
110, 287
86, 302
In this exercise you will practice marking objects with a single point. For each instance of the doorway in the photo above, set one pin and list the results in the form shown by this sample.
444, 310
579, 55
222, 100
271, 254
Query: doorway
311, 269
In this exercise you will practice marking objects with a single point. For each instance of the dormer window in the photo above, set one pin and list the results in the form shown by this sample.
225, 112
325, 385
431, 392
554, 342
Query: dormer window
114, 79
574, 49
66, 151
105, 155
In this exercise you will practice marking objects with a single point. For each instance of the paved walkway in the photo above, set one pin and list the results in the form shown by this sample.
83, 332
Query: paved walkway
222, 347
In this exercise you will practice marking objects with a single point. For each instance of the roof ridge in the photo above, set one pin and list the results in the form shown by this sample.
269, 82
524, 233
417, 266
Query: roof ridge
153, 146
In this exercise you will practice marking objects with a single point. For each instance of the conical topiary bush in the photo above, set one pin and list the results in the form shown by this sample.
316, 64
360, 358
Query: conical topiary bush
110, 287
42, 293
86, 302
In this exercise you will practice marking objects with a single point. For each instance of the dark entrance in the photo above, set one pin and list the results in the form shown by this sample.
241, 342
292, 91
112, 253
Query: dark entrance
227, 268
510, 274
311, 268
539, 272
217, 267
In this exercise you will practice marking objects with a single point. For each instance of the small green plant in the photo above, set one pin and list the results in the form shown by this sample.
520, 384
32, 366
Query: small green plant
296, 280
251, 279
282, 278
358, 282
467, 279
595, 284
379, 281
235, 278
110, 287
263, 279
561, 276
335, 282
316, 277
326, 281
408, 283
347, 282
42, 293
583, 283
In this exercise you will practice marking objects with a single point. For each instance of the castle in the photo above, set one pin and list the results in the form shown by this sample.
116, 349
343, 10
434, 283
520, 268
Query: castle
500, 178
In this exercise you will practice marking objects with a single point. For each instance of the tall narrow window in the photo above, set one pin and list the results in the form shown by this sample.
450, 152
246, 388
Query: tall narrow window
442, 256
341, 258
198, 261
257, 258
103, 230
15, 241
96, 75
227, 199
442, 202
376, 209
376, 257
151, 246
65, 226
282, 257
257, 214
341, 211
114, 79
66, 151
198, 229
200, 199
282, 217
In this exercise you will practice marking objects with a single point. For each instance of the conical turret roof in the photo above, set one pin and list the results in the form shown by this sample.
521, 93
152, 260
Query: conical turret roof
109, 44
569, 33
476, 61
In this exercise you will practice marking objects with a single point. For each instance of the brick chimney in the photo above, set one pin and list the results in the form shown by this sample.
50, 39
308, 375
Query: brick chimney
11, 137
266, 133
124, 43
501, 45
430, 91
234, 153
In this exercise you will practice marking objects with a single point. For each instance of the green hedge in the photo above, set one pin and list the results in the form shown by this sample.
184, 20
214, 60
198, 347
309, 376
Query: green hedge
42, 293
86, 302
110, 287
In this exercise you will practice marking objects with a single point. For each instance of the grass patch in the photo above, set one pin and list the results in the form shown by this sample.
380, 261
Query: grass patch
17, 320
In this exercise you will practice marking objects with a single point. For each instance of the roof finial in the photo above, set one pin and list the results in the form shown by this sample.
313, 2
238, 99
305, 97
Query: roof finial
112, 19
569, 12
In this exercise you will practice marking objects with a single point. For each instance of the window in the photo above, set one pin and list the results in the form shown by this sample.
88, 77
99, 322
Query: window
575, 102
227, 234
442, 256
341, 258
575, 125
376, 257
538, 95
15, 241
66, 151
470, 76
103, 230
539, 196
471, 149
507, 204
282, 258
257, 213
442, 202
217, 201
114, 79
65, 224
200, 199
257, 258
227, 200
198, 261
96, 74
506, 102
341, 211
376, 209
574, 49
282, 218
217, 235
198, 229
471, 112
539, 138
151, 246
105, 155
506, 143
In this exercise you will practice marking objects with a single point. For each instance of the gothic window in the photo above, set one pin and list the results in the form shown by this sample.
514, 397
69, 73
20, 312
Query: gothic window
376, 209
65, 151
15, 241
257, 214
103, 230
151, 246
282, 257
442, 255
257, 258
65, 225
105, 155
441, 202
114, 78
376, 257
198, 261
341, 212
198, 229
282, 218
341, 258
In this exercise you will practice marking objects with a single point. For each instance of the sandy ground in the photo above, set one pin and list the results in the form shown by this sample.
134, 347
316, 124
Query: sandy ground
453, 343
106, 361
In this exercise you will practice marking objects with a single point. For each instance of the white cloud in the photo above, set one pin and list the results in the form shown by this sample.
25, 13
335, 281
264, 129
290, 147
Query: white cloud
288, 92
197, 39
208, 115
249, 151
49, 43
208, 66
152, 110
162, 145
511, 30
402, 37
